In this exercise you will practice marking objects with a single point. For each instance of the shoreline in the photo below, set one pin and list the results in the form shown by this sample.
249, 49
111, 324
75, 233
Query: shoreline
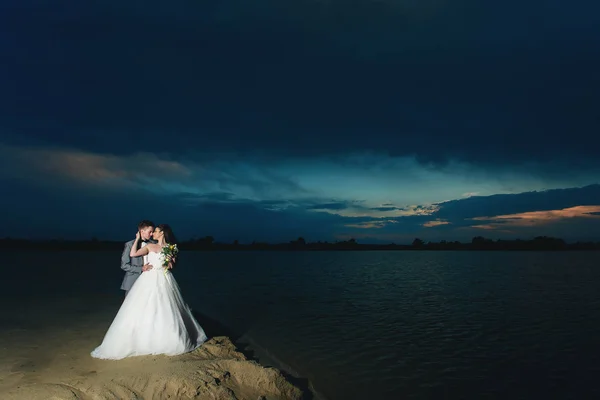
477, 243
45, 353
253, 351
265, 358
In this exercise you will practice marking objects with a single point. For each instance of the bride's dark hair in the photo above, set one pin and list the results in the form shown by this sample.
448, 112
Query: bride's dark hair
169, 235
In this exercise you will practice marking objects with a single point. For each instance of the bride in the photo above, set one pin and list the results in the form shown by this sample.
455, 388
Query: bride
153, 319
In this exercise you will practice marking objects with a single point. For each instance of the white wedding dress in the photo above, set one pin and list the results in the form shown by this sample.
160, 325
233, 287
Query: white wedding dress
153, 319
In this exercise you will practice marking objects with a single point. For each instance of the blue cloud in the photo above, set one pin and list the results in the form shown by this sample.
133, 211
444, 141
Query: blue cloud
387, 208
443, 84
505, 204
345, 122
72, 212
565, 213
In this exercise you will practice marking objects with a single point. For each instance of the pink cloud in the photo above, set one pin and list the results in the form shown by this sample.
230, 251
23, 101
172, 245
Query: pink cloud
437, 222
537, 218
90, 168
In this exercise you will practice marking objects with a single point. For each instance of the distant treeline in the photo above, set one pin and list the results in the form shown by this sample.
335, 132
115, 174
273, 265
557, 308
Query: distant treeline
208, 243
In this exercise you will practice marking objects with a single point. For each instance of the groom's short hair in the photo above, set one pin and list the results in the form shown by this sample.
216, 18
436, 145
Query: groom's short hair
144, 224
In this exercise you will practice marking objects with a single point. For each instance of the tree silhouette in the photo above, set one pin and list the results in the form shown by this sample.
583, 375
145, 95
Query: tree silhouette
207, 243
418, 243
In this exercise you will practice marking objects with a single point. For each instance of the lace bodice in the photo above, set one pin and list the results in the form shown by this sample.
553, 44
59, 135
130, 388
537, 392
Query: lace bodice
156, 260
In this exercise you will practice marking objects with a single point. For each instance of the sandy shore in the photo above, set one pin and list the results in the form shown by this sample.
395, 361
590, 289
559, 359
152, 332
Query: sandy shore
45, 355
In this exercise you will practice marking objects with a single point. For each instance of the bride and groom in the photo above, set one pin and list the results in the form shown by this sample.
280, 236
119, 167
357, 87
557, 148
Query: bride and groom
153, 318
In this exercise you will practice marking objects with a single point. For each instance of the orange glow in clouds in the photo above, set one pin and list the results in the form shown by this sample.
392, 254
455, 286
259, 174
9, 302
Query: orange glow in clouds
535, 218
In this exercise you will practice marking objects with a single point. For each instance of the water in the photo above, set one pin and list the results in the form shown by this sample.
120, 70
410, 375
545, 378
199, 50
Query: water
383, 324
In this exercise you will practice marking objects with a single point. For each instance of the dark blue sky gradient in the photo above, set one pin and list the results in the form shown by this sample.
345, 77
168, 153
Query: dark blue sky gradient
270, 112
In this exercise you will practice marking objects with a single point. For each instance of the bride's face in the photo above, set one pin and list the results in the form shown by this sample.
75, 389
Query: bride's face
157, 234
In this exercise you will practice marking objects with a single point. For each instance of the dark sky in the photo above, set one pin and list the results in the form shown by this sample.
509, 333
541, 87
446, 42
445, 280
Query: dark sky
269, 120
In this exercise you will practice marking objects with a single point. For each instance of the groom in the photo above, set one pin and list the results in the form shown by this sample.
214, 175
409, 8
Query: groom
133, 266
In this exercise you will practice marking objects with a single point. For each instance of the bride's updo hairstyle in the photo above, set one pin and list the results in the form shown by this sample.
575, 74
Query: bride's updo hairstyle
169, 235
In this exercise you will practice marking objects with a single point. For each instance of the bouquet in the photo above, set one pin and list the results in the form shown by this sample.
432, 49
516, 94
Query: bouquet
170, 252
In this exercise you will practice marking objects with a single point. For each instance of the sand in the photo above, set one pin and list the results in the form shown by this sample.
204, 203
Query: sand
50, 359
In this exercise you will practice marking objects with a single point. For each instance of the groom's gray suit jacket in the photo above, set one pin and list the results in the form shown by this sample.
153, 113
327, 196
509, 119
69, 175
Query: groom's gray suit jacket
131, 265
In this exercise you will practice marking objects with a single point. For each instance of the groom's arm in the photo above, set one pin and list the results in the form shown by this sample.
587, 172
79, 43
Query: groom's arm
126, 260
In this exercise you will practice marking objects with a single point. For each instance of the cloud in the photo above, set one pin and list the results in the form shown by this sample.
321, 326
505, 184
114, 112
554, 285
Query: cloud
520, 215
440, 86
376, 128
373, 224
508, 204
537, 218
144, 171
138, 170
86, 193
388, 208
437, 222
69, 212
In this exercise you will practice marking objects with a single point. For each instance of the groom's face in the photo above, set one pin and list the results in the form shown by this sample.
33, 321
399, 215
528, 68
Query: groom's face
146, 233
